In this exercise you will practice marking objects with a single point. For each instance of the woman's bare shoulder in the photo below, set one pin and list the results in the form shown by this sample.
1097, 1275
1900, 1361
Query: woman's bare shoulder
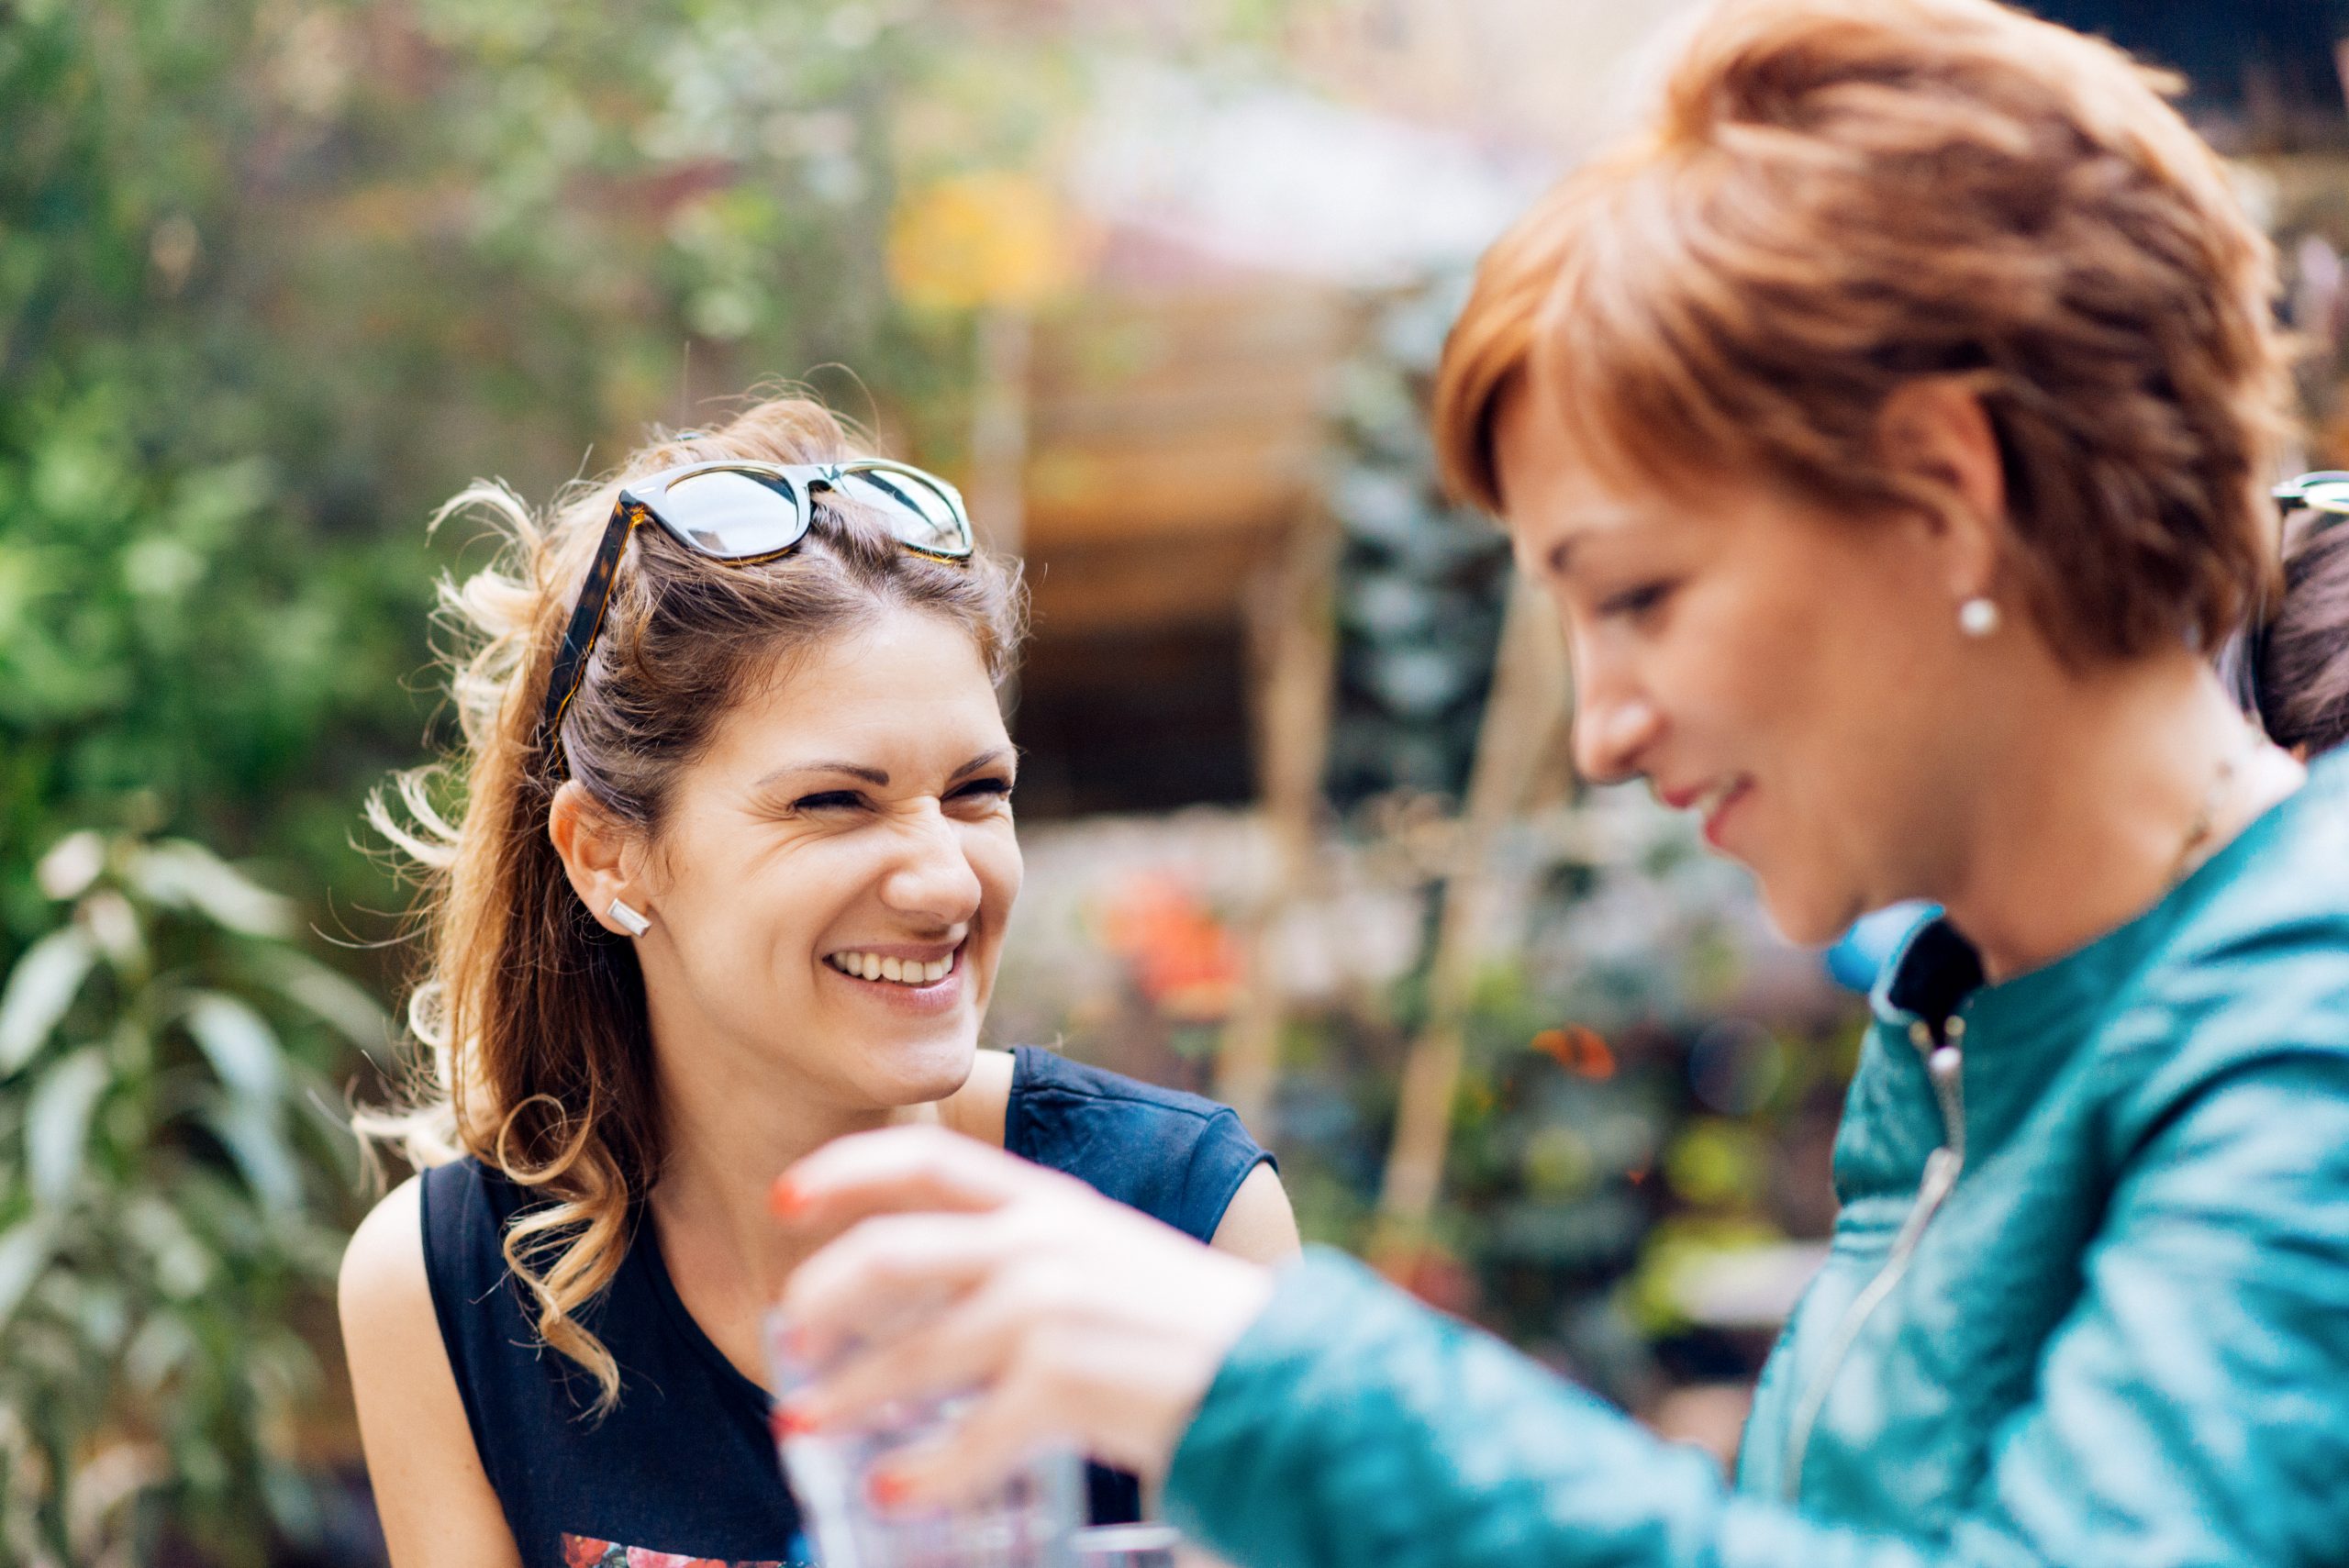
1260, 1225
383, 1277
435, 1500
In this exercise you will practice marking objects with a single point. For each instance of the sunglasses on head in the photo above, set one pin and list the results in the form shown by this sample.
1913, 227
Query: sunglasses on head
2325, 493
744, 513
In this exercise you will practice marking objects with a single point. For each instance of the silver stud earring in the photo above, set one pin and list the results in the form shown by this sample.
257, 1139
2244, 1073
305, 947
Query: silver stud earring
1978, 616
621, 915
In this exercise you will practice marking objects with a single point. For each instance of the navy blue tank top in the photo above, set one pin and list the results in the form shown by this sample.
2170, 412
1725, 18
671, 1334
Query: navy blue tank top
684, 1472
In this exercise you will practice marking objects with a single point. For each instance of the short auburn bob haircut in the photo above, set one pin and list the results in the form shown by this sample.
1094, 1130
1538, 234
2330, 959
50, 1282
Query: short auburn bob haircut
1834, 197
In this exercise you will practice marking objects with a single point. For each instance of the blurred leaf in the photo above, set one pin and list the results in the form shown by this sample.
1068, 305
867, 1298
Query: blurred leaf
175, 872
71, 864
57, 1122
160, 1347
254, 1136
334, 997
182, 1263
41, 989
24, 1252
102, 1316
239, 1044
114, 924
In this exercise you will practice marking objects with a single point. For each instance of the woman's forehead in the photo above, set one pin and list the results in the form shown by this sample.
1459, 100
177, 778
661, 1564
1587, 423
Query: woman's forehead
909, 690
1560, 516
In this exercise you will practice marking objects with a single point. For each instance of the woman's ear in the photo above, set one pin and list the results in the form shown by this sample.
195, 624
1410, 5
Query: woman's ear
599, 855
1934, 432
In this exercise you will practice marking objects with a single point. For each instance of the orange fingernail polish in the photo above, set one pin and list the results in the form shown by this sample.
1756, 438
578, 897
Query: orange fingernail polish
888, 1488
784, 1198
793, 1421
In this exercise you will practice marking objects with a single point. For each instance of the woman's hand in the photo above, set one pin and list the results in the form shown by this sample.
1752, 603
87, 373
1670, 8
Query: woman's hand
1076, 1318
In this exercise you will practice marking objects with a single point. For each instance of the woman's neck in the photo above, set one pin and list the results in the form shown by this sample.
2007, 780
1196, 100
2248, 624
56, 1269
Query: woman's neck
729, 1128
2105, 792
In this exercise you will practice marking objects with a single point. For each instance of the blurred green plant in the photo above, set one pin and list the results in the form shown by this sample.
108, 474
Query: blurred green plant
1421, 584
173, 1170
278, 275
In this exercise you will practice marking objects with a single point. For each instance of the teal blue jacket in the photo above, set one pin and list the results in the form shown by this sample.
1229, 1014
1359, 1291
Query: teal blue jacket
2087, 1300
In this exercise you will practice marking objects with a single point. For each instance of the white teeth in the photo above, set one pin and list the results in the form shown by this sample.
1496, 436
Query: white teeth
898, 970
1710, 801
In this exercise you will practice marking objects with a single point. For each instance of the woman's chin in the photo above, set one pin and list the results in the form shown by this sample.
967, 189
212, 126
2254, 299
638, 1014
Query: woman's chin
1810, 915
916, 1072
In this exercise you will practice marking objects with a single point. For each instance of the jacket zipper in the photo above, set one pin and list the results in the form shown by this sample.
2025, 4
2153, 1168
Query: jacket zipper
1944, 1064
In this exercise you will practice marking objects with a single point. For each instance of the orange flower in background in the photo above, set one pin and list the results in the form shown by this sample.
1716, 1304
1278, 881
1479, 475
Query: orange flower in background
1430, 1271
1183, 960
1579, 1049
999, 238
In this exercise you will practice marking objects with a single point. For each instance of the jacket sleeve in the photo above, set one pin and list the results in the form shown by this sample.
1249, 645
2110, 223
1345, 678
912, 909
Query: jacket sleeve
2194, 1407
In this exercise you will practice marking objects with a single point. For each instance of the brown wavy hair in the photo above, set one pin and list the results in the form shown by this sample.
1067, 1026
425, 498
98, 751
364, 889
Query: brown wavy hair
539, 1058
1832, 197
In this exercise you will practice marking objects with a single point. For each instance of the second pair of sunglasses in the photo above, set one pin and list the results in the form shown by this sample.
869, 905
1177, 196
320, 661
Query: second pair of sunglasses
750, 512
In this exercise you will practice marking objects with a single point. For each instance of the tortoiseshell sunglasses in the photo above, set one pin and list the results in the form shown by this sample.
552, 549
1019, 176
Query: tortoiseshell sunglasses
745, 513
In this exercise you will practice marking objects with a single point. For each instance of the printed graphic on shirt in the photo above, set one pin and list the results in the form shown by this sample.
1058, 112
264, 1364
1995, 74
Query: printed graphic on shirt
586, 1552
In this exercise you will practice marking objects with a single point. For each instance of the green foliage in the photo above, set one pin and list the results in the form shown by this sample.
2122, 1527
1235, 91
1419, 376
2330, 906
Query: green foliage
276, 276
173, 1170
1421, 584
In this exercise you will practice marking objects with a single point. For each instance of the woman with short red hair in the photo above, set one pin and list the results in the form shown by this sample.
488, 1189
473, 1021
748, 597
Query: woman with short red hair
1890, 422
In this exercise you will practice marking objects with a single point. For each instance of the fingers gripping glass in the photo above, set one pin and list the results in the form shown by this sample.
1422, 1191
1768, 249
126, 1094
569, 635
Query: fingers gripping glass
746, 513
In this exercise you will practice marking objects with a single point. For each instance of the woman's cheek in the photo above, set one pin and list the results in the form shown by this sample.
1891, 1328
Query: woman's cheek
996, 859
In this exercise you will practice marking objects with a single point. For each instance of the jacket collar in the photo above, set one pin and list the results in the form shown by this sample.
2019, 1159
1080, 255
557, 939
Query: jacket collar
2031, 1025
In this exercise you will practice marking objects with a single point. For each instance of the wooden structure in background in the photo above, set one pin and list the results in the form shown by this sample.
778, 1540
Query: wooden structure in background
1173, 443
1524, 719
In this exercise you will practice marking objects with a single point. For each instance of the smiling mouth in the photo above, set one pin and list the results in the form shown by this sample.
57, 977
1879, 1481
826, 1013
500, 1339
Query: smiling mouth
907, 972
1714, 802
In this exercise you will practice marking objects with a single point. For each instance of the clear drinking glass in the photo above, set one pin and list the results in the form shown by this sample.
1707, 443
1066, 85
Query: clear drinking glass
1127, 1546
1029, 1522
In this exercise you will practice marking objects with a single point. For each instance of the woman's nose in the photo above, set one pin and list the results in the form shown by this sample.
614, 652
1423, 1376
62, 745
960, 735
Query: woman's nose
933, 876
1609, 735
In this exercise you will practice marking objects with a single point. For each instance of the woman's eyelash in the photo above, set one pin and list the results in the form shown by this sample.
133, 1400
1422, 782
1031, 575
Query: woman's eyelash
849, 799
830, 800
1636, 601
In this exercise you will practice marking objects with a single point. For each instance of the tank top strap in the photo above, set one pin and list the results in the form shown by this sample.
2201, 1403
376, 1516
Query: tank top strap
1177, 1157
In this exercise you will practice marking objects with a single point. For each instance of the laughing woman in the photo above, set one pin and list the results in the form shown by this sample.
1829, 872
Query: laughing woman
1891, 424
730, 880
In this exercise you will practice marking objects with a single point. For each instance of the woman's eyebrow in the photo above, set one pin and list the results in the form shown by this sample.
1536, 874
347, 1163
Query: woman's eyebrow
983, 760
874, 776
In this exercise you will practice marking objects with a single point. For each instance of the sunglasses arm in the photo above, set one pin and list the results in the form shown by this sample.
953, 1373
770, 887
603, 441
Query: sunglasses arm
587, 613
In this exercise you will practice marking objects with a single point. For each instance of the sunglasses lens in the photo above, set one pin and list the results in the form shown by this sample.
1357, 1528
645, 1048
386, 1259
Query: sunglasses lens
736, 514
919, 513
